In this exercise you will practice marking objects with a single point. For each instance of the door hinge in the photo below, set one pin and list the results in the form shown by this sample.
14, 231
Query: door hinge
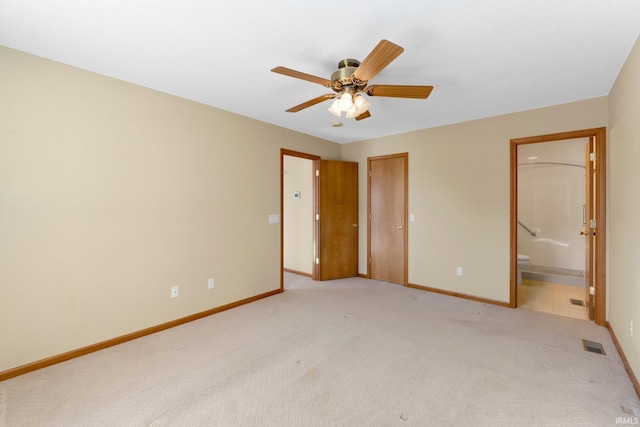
317, 172
369, 260
317, 217
317, 260
592, 290
592, 157
369, 172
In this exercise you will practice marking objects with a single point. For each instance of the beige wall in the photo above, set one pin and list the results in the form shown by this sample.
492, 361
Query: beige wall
459, 193
298, 214
624, 208
111, 193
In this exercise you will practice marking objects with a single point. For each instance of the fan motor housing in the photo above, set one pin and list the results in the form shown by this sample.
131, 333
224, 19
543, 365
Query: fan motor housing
342, 76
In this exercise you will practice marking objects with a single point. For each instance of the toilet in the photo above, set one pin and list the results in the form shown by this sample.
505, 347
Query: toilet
523, 261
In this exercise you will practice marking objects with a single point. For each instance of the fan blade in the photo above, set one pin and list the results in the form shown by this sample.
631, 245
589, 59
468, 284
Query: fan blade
400, 91
311, 102
304, 76
363, 115
380, 57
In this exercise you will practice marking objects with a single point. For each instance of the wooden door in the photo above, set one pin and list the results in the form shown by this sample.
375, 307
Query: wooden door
387, 218
590, 226
337, 219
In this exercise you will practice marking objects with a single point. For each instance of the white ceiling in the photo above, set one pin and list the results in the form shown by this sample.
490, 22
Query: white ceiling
484, 58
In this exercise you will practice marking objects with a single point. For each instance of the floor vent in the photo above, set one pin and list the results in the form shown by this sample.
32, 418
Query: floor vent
593, 347
576, 302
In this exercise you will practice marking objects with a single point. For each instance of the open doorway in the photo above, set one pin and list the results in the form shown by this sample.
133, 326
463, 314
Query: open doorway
578, 244
298, 207
319, 227
551, 215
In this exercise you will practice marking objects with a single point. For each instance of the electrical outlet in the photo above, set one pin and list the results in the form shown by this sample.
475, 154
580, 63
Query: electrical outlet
458, 271
174, 291
631, 327
210, 283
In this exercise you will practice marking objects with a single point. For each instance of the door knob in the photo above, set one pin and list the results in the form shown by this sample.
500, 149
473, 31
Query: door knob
586, 233
399, 227
355, 225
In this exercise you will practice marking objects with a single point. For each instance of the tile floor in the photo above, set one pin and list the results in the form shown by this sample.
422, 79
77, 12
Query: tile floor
552, 298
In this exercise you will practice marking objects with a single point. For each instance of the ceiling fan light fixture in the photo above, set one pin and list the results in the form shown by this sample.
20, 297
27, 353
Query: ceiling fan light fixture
352, 112
350, 82
335, 108
361, 103
346, 101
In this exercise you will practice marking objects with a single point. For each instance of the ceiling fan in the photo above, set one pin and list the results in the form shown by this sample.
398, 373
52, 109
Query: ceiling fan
350, 81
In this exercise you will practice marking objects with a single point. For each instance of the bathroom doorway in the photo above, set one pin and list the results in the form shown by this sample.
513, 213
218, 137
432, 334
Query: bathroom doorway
557, 223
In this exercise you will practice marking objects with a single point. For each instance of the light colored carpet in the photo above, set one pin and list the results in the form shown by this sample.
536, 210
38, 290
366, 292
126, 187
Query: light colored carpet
349, 352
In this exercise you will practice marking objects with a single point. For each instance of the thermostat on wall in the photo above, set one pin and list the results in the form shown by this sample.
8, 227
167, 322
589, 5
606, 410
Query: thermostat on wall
296, 194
